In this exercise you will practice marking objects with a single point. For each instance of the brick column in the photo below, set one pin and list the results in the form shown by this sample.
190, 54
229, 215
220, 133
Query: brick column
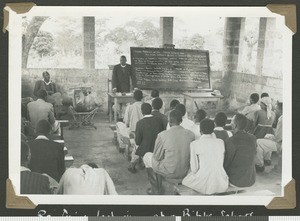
261, 45
166, 30
89, 42
231, 47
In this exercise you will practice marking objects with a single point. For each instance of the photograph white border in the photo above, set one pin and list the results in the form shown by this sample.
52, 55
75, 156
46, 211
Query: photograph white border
15, 71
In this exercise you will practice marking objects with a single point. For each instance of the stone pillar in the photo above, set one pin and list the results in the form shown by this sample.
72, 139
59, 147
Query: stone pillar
231, 47
261, 45
89, 42
166, 30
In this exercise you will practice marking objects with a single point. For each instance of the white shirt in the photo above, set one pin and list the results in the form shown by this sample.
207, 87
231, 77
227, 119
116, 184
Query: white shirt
196, 130
207, 174
86, 181
221, 129
249, 111
186, 123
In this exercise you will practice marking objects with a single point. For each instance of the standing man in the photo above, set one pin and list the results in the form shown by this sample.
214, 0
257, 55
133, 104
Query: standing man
122, 74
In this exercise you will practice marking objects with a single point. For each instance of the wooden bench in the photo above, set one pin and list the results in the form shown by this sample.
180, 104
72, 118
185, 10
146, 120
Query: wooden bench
184, 190
62, 123
62, 142
68, 161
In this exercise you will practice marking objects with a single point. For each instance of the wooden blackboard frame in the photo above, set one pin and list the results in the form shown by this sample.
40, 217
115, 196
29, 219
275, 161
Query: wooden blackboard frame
186, 89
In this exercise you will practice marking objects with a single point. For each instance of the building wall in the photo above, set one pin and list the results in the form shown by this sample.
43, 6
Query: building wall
242, 85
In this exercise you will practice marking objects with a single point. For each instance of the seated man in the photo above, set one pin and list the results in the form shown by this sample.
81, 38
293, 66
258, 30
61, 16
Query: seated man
248, 111
240, 151
155, 94
156, 105
145, 135
199, 116
186, 122
270, 143
47, 156
42, 110
31, 182
220, 122
207, 174
133, 112
173, 104
264, 119
86, 180
45, 84
171, 154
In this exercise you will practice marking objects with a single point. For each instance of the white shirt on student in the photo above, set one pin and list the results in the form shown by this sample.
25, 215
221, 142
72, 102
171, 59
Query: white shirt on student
221, 129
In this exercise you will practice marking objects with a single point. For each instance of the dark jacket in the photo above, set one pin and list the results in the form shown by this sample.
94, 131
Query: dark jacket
240, 152
146, 133
163, 117
221, 134
40, 84
121, 78
47, 157
34, 183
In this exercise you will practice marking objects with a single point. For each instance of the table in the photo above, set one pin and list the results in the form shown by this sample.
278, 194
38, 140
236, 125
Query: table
204, 96
117, 99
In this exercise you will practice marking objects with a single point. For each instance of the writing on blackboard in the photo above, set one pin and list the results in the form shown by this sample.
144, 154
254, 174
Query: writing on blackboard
170, 68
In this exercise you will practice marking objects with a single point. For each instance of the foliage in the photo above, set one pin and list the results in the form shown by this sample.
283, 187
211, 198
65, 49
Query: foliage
43, 43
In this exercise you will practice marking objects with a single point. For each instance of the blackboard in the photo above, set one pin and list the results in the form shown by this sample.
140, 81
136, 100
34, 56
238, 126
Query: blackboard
172, 69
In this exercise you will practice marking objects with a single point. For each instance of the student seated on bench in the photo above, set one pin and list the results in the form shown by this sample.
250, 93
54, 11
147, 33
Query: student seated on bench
156, 107
42, 110
86, 180
186, 122
47, 156
173, 104
199, 116
207, 174
155, 94
220, 122
171, 155
270, 143
145, 135
240, 151
31, 182
249, 111
133, 112
264, 118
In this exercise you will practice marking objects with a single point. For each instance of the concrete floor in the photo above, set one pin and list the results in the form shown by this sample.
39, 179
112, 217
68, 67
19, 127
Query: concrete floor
90, 145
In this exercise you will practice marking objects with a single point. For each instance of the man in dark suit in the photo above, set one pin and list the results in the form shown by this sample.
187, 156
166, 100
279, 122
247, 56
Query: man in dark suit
31, 182
240, 152
157, 103
122, 74
47, 156
145, 134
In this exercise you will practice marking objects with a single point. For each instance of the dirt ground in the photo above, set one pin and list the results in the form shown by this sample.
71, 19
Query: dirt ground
90, 145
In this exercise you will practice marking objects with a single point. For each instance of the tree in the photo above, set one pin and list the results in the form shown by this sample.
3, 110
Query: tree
29, 35
43, 43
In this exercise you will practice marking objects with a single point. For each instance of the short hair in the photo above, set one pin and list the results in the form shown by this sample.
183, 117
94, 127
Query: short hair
241, 121
146, 108
173, 103
93, 165
41, 94
181, 108
123, 56
254, 97
264, 95
154, 93
138, 95
45, 72
207, 126
220, 119
157, 103
175, 116
24, 152
200, 115
43, 127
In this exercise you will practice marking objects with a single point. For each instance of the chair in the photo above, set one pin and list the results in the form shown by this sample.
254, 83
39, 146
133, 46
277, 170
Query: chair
82, 119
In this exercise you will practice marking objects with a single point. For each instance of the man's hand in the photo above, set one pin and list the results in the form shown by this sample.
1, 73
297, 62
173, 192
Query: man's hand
114, 90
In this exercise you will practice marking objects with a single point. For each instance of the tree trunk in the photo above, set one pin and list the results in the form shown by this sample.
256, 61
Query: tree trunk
29, 35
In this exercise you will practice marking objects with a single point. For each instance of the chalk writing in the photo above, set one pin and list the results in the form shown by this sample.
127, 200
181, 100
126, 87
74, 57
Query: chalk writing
170, 68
